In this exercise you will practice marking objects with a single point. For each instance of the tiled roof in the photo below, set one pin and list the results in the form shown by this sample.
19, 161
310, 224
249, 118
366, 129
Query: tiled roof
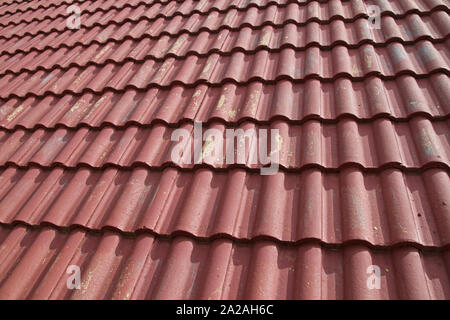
87, 177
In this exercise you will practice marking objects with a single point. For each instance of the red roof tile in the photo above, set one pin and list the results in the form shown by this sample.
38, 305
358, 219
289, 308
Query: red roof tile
87, 177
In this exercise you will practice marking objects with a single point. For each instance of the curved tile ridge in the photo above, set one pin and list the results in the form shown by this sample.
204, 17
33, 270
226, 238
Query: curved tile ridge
130, 32
9, 2
233, 18
409, 30
126, 32
384, 209
89, 8
196, 23
136, 8
372, 98
418, 143
149, 267
130, 12
420, 60
26, 6
386, 5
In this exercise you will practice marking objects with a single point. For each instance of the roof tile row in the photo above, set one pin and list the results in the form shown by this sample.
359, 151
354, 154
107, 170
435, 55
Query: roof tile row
372, 98
387, 208
380, 143
34, 33
136, 9
91, 6
419, 60
410, 29
14, 6
113, 266
87, 8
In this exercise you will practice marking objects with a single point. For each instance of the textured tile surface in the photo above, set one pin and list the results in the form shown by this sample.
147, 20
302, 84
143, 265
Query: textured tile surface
363, 145
247, 39
231, 19
418, 60
379, 143
398, 99
386, 208
184, 268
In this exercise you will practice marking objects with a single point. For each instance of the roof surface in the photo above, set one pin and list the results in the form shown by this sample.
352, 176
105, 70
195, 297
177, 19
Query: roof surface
87, 178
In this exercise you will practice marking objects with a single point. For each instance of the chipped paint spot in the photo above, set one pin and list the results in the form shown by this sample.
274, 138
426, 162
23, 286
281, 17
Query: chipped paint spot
377, 90
252, 103
85, 283
124, 278
177, 44
426, 143
5, 110
355, 69
207, 66
47, 78
195, 96
77, 105
214, 293
163, 68
207, 146
414, 105
221, 102
99, 102
279, 141
265, 38
102, 52
196, 93
14, 113
290, 155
